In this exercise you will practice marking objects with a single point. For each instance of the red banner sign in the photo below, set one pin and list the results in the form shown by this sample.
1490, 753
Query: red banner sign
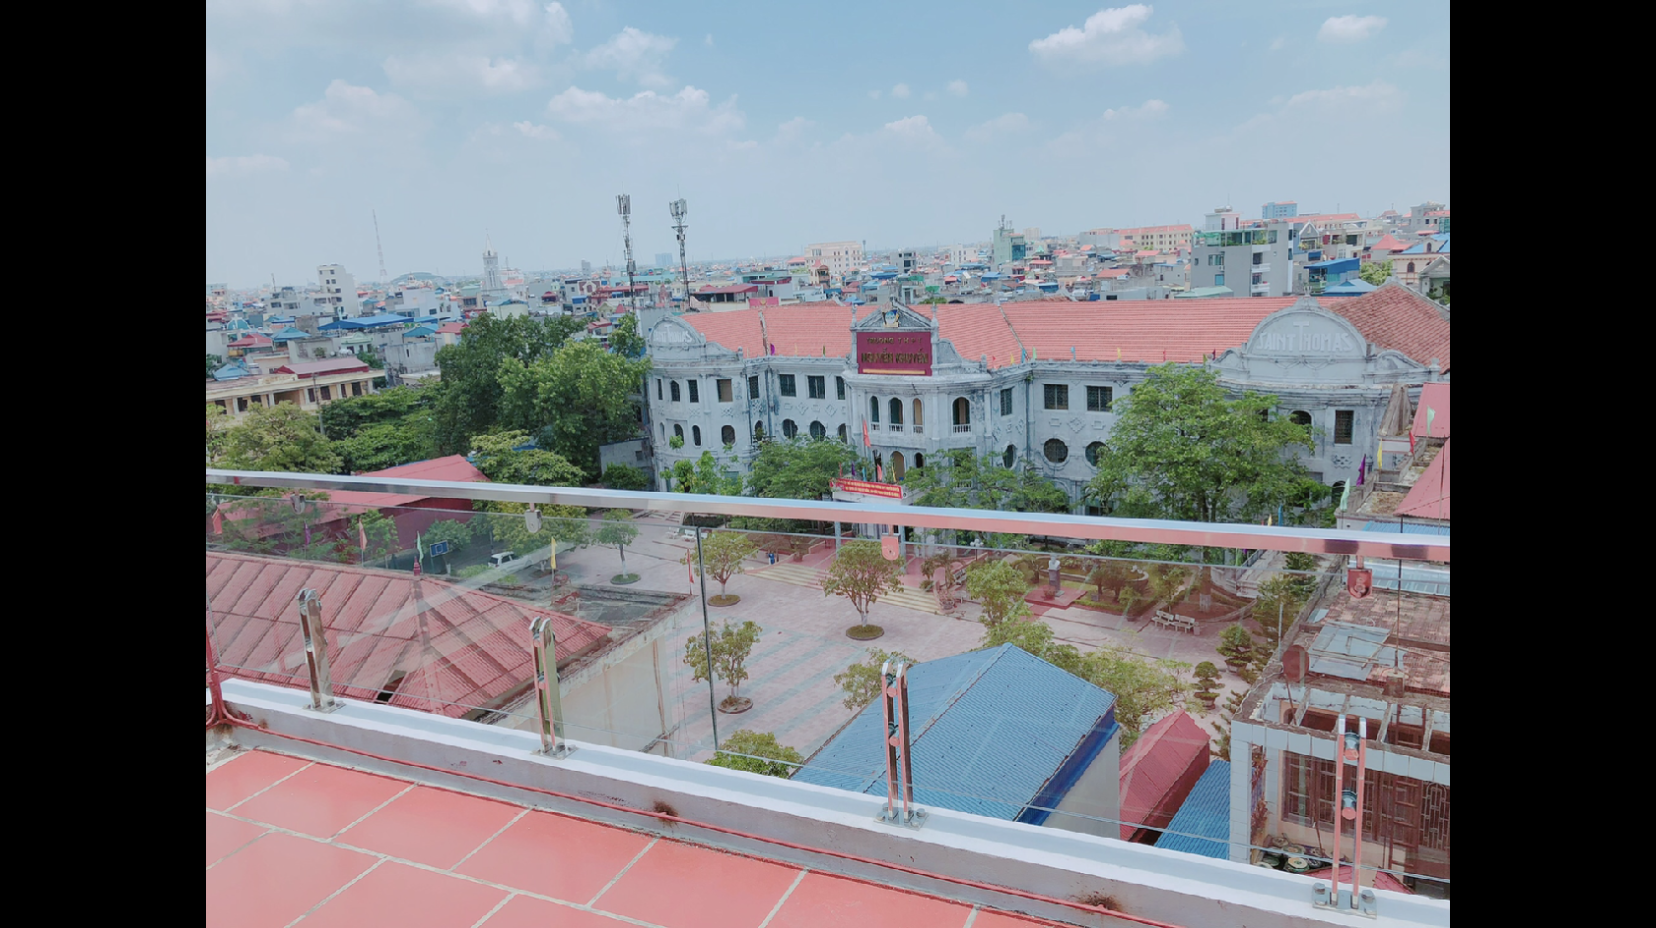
867, 488
906, 353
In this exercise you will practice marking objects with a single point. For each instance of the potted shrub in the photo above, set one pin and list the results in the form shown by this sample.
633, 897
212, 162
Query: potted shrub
1236, 646
728, 647
1207, 681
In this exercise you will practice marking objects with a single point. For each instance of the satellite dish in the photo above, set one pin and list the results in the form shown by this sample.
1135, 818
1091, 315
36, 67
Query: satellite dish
1295, 663
532, 521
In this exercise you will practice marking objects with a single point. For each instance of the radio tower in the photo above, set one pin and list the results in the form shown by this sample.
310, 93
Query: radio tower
623, 205
377, 246
678, 210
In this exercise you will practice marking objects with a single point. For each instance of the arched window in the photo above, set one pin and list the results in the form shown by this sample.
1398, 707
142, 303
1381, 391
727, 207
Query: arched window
818, 430
897, 466
758, 432
727, 435
695, 435
1010, 455
842, 432
1411, 267
1092, 452
919, 414
675, 391
678, 432
1055, 450
874, 410
1300, 417
962, 414
790, 428
919, 461
896, 411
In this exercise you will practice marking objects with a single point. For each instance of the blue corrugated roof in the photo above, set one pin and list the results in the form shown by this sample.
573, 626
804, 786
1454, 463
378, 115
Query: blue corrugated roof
1407, 528
995, 731
1204, 815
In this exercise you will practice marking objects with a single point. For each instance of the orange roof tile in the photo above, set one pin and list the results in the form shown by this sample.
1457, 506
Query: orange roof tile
1146, 331
1398, 318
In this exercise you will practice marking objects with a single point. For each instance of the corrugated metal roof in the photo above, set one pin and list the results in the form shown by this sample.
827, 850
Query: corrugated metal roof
1202, 824
1429, 497
1351, 651
993, 728
1159, 770
1433, 397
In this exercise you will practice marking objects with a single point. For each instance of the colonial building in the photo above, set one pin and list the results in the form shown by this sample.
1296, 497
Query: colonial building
1034, 381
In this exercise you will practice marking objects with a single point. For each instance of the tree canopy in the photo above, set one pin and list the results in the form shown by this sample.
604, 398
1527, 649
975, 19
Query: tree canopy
281, 437
624, 340
999, 588
470, 392
730, 646
798, 468
757, 752
503, 459
576, 398
1375, 272
1182, 449
861, 681
861, 573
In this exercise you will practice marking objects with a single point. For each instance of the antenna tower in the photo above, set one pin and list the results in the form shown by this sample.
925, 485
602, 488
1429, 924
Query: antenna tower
677, 208
623, 205
377, 246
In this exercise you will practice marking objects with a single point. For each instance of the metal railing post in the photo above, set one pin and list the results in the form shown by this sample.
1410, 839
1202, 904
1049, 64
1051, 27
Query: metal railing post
899, 761
548, 700
316, 651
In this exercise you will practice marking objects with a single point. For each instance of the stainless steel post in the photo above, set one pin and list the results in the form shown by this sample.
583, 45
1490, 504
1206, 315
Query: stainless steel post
899, 759
316, 651
548, 700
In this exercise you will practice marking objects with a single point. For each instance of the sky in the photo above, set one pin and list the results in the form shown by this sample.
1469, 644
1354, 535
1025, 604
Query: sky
908, 124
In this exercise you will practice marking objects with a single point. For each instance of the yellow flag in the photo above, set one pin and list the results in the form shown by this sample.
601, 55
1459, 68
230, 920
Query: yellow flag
554, 554
1118, 354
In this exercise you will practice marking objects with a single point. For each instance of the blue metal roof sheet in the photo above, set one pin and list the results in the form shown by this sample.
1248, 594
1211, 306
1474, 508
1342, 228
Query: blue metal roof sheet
993, 729
1202, 824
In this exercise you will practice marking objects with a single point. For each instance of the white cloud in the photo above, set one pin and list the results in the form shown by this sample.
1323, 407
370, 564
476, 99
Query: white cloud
794, 129
958, 88
634, 55
461, 75
913, 131
1279, 43
557, 29
516, 12
245, 164
688, 110
1332, 106
530, 130
873, 95
1378, 93
1005, 124
1151, 109
1110, 36
708, 41
901, 91
346, 109
1350, 28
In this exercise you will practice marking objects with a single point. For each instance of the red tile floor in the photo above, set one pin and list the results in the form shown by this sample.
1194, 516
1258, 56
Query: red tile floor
290, 842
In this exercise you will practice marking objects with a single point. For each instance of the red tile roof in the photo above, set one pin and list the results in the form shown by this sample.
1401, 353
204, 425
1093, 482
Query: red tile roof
457, 649
1320, 218
1398, 318
1436, 397
1390, 242
1429, 497
251, 340
322, 368
1147, 331
1159, 770
451, 328
797, 330
454, 467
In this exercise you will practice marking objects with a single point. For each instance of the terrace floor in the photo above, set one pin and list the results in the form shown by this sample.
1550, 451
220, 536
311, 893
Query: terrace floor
295, 842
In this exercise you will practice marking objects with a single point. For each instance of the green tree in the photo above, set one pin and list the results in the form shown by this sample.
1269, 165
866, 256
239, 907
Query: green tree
503, 459
703, 476
1110, 574
565, 525
399, 406
757, 752
280, 438
1037, 639
468, 402
458, 535
1182, 449
798, 468
381, 532
1000, 589
577, 398
215, 431
724, 554
377, 447
214, 362
1236, 646
624, 477
730, 647
617, 529
1375, 272
861, 681
370, 357
624, 340
1207, 678
960, 480
861, 573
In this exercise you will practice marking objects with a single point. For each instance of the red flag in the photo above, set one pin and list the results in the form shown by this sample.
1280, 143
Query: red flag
362, 538
866, 442
416, 566
218, 517
691, 571
879, 473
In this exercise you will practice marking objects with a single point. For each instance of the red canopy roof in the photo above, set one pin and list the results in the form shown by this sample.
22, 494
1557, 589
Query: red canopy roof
1159, 771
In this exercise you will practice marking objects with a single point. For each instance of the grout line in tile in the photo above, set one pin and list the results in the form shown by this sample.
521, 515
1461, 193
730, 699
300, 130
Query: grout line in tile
272, 786
399, 795
240, 847
971, 917
778, 907
498, 906
617, 878
486, 841
325, 900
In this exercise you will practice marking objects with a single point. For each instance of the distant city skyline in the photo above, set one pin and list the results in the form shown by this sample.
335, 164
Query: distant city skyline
891, 125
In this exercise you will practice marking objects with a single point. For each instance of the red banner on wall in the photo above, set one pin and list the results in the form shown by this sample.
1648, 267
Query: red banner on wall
906, 353
868, 488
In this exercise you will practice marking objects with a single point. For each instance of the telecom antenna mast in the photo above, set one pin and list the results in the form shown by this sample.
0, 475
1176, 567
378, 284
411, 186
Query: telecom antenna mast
623, 205
377, 246
678, 210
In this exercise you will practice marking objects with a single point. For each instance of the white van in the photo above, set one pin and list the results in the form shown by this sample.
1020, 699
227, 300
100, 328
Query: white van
503, 559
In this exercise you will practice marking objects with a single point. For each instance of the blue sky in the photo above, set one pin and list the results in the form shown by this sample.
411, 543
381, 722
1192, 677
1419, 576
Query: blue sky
782, 124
